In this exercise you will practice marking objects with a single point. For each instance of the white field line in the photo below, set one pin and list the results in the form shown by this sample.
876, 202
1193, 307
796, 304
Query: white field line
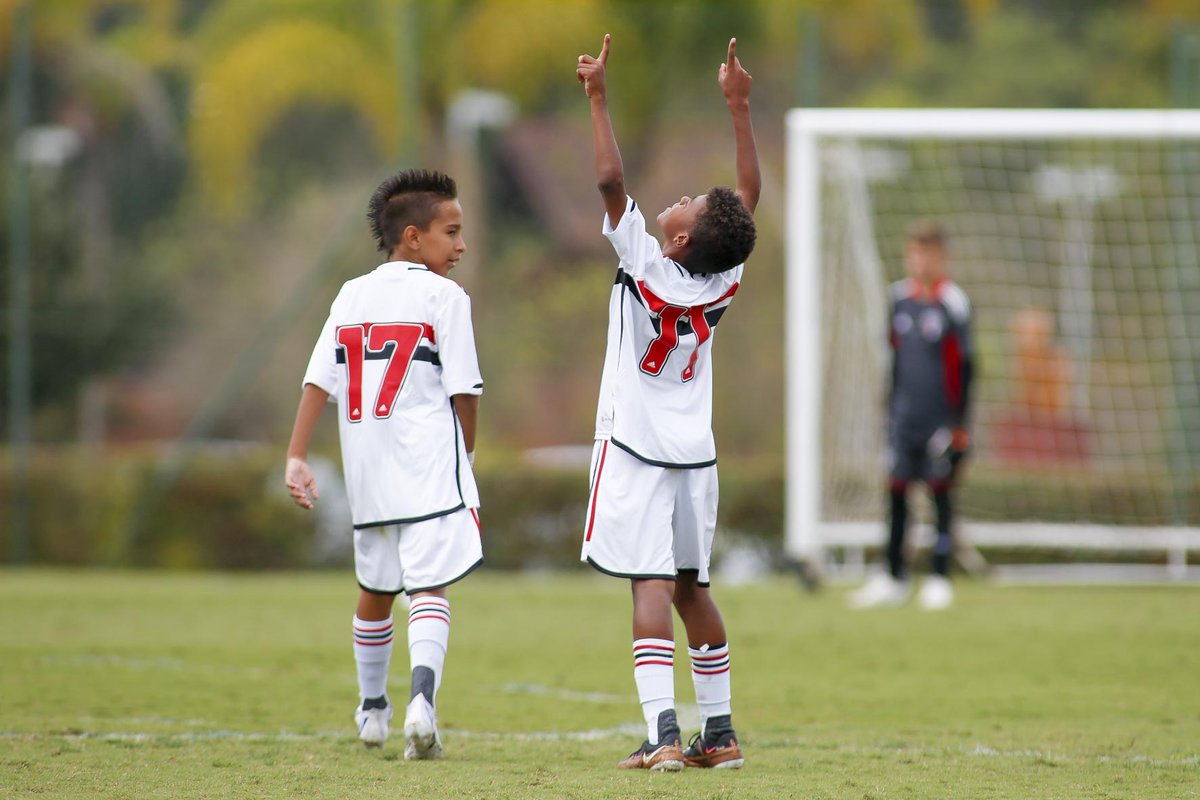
566, 694
145, 737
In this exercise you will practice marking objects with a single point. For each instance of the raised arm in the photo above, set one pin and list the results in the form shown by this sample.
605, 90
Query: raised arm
735, 85
610, 172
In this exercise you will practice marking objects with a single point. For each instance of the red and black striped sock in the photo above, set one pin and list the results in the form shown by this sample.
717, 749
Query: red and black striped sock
654, 673
373, 655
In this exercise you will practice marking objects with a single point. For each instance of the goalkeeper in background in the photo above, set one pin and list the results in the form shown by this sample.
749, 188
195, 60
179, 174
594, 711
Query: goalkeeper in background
927, 411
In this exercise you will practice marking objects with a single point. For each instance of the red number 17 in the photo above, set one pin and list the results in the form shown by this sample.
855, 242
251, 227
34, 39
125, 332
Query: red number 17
395, 341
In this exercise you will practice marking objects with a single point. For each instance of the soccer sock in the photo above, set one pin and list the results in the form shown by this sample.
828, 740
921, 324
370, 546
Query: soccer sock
654, 673
428, 638
710, 677
943, 548
372, 654
899, 522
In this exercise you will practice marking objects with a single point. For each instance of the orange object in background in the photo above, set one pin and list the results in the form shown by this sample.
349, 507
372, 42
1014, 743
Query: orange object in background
1040, 427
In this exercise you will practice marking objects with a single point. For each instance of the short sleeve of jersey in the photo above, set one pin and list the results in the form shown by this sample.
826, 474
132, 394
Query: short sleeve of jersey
322, 369
456, 347
636, 248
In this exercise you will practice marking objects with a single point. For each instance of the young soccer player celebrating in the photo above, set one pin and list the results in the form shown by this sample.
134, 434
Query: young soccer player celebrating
927, 404
398, 354
653, 505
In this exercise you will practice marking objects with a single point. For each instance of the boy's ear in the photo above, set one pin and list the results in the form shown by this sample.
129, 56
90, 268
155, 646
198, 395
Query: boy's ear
411, 236
682, 239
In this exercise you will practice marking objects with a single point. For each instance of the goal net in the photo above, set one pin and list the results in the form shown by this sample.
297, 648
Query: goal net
1076, 235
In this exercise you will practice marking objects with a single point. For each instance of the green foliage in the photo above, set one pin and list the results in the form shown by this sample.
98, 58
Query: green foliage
1023, 60
152, 685
228, 508
86, 508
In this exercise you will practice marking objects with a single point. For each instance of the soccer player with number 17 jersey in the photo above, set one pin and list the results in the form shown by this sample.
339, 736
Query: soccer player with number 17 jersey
653, 506
398, 355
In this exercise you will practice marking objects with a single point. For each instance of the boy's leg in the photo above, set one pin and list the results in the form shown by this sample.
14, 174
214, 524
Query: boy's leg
694, 525
428, 640
428, 637
373, 636
654, 674
897, 526
707, 646
627, 534
716, 745
943, 547
377, 568
653, 650
435, 553
936, 592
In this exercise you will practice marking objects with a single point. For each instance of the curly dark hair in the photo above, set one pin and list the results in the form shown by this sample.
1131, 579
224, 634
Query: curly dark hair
723, 235
410, 197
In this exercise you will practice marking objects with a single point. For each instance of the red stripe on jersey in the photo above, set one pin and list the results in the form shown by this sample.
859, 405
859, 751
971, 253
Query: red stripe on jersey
428, 332
475, 516
595, 488
952, 357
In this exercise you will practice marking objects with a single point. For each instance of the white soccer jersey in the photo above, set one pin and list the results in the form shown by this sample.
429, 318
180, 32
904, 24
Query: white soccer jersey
656, 389
397, 345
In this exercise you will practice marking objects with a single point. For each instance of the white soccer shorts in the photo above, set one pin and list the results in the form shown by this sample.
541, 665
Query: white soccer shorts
645, 521
418, 556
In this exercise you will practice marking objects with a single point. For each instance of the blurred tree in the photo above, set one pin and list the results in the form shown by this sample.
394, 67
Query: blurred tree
1015, 58
253, 63
102, 114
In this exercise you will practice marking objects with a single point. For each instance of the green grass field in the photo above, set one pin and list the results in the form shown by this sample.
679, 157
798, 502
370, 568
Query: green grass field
168, 685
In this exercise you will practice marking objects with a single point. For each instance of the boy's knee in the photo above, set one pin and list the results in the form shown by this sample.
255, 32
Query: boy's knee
652, 591
690, 595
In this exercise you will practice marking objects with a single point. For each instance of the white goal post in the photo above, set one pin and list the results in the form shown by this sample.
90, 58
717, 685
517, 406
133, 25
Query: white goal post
835, 160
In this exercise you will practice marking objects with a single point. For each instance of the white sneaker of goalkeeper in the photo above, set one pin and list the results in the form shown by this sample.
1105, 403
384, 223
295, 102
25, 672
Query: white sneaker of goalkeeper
881, 589
936, 593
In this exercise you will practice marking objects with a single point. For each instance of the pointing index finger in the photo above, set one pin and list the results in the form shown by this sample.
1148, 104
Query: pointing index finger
603, 59
732, 52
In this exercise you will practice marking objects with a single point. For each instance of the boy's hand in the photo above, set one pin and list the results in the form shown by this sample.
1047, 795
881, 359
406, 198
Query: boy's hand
733, 78
590, 71
298, 478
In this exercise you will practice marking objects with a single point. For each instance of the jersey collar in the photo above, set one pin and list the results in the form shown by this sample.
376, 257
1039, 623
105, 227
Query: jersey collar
403, 265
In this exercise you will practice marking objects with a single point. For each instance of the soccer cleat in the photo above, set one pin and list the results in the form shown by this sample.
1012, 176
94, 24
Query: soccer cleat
420, 730
720, 751
666, 756
372, 724
936, 593
881, 589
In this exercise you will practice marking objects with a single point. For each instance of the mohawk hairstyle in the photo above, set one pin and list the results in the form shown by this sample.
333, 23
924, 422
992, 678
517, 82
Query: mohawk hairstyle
410, 197
723, 235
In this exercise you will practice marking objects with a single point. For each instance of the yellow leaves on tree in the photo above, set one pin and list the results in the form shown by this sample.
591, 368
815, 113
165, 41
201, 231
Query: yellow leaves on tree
242, 94
525, 46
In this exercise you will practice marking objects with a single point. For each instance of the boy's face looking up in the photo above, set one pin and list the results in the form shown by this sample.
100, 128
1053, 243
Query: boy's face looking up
440, 246
678, 220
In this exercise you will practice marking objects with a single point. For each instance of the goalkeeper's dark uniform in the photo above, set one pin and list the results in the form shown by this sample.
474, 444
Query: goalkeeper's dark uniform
930, 390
